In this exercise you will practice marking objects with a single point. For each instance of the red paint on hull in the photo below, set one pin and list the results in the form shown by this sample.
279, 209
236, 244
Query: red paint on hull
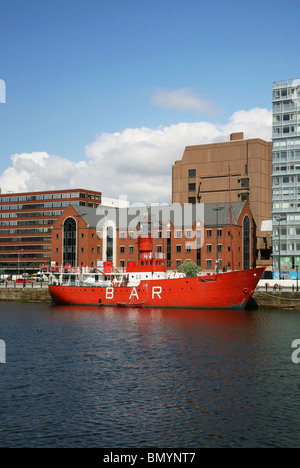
223, 291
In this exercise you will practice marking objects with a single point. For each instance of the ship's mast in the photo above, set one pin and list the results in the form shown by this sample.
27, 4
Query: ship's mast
231, 229
145, 239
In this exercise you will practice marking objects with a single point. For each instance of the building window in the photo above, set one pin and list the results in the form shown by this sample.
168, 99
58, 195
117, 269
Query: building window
122, 249
192, 187
208, 263
219, 233
98, 249
188, 248
192, 200
208, 248
245, 182
109, 243
158, 248
82, 235
178, 248
69, 252
131, 249
208, 232
57, 236
245, 196
178, 234
192, 173
56, 251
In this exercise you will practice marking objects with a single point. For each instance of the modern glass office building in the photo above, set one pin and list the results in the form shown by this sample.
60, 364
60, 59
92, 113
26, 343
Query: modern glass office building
286, 178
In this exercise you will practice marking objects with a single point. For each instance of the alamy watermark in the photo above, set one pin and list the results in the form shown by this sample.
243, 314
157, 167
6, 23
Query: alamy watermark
296, 90
2, 352
2, 92
296, 353
157, 220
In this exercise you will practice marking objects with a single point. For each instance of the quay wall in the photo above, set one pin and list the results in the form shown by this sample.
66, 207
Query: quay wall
276, 300
262, 299
27, 294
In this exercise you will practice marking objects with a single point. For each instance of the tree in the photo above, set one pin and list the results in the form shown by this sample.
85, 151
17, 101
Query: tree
189, 269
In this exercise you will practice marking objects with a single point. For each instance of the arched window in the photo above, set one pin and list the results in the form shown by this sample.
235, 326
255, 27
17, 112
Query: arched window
246, 243
69, 247
110, 244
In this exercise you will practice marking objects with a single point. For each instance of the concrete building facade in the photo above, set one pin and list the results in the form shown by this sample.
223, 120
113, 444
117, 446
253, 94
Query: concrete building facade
206, 173
286, 178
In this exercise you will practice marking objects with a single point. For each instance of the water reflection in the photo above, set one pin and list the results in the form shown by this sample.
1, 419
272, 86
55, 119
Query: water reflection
182, 316
115, 377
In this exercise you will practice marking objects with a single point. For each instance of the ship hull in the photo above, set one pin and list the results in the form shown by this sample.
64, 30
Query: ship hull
224, 291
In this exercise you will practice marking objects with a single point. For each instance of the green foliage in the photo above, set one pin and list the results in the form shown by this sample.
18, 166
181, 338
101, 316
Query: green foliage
189, 269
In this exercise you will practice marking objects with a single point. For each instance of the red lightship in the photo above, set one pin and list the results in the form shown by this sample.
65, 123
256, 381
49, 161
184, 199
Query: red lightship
149, 284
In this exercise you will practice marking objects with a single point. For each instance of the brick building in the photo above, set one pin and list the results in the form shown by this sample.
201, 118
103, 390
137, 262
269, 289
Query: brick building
202, 176
26, 225
86, 236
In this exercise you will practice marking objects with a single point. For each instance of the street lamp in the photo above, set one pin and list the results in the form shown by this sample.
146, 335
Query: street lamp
279, 219
297, 268
19, 254
219, 208
78, 216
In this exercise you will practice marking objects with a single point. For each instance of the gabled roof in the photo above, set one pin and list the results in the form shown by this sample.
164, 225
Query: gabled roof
218, 214
88, 214
215, 214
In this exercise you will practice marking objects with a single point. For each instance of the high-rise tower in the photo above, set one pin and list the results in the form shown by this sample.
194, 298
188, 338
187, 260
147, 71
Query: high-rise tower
286, 178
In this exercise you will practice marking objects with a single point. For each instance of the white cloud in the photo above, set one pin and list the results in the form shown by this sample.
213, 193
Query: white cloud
135, 162
256, 123
184, 100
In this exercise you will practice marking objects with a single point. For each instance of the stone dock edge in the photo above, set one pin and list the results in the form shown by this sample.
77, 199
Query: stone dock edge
260, 299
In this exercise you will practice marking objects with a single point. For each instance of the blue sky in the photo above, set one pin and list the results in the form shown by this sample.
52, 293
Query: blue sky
79, 71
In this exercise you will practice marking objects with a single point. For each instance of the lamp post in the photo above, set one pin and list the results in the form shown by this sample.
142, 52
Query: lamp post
219, 208
78, 216
279, 219
19, 254
297, 268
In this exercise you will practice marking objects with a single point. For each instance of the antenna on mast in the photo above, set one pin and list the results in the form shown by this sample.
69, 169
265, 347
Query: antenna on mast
231, 229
